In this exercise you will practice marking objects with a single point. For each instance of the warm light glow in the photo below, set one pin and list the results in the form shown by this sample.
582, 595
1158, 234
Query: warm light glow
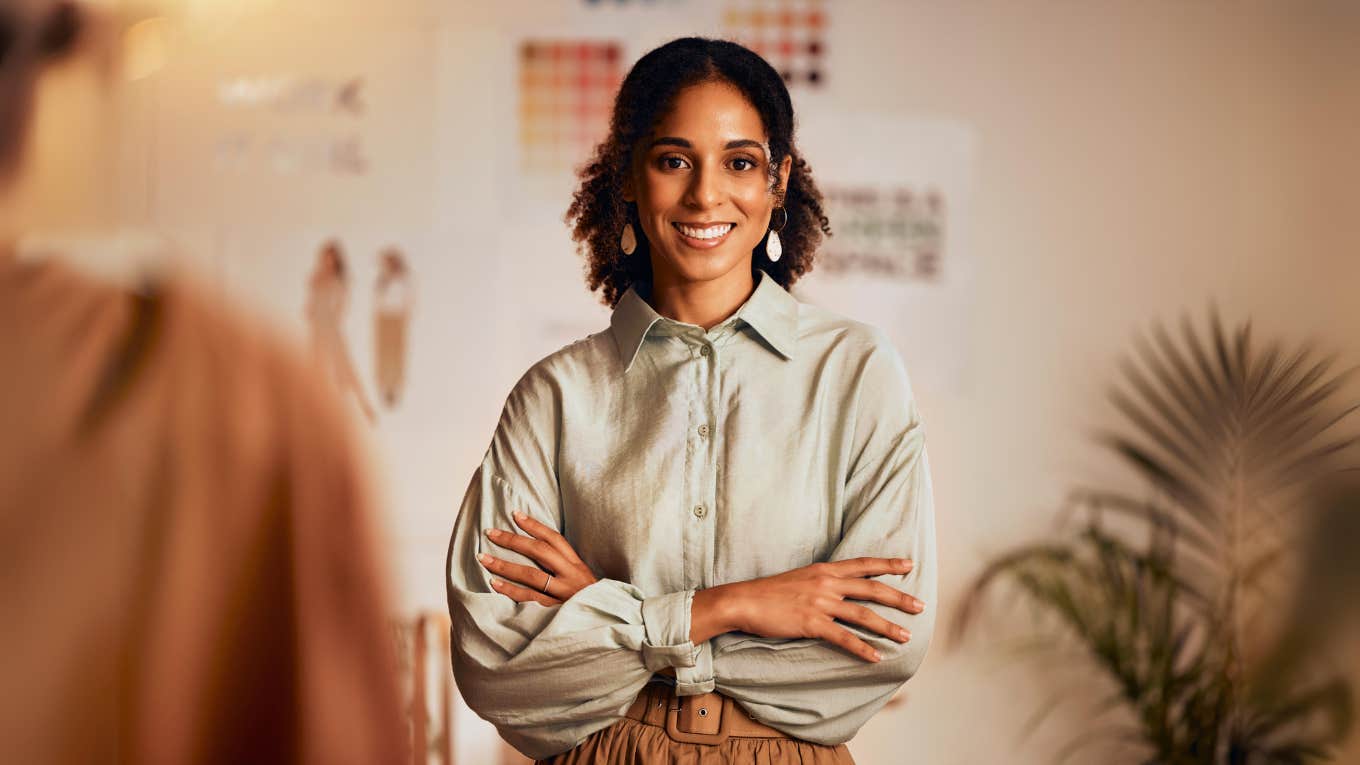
146, 47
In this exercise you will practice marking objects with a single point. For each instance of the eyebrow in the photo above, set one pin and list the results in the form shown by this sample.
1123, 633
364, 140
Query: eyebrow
740, 143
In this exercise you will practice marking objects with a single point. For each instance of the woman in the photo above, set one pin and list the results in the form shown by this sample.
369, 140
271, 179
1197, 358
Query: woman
694, 533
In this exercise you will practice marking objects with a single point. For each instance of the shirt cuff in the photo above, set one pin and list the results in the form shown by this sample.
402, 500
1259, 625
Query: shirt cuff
692, 681
666, 621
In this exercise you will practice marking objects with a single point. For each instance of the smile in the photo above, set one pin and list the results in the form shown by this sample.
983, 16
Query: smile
705, 235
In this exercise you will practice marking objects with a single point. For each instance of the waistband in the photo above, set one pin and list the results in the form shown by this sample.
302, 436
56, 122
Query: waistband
709, 718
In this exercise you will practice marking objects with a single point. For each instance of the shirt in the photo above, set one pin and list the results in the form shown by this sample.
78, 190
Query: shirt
187, 558
675, 458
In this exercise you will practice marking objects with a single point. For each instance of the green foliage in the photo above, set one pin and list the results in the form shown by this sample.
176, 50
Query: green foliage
1161, 592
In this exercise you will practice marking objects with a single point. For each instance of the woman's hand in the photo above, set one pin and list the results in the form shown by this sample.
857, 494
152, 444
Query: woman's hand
806, 602
554, 556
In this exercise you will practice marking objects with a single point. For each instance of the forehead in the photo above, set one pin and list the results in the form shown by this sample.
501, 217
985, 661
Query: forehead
711, 112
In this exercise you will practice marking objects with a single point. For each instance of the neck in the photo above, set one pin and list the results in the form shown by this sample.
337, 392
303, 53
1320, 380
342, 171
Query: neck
705, 303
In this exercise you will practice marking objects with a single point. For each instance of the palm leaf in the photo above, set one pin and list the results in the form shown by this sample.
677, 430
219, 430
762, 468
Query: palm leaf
1233, 439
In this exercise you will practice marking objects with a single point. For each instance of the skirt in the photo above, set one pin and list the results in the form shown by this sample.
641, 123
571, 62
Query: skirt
651, 742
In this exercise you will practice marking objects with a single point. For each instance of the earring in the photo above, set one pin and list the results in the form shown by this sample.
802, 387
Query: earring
773, 247
628, 242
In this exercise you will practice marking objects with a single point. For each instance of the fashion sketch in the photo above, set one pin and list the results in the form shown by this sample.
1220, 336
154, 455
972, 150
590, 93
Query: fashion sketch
327, 300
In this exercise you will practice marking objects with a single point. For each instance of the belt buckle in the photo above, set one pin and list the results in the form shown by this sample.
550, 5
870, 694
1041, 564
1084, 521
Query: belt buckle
687, 737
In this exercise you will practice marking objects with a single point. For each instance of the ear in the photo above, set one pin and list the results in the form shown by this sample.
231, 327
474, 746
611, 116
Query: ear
785, 167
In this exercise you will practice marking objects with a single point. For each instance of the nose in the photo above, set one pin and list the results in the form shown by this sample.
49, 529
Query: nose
704, 190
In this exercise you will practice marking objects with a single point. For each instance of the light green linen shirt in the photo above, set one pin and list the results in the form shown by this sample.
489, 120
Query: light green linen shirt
675, 458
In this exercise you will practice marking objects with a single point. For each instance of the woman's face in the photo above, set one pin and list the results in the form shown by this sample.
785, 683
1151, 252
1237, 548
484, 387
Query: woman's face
701, 182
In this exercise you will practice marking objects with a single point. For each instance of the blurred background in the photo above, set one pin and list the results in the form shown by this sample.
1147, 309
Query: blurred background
1019, 189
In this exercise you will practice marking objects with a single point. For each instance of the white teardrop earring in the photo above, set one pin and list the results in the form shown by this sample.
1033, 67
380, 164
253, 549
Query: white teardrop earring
628, 242
773, 247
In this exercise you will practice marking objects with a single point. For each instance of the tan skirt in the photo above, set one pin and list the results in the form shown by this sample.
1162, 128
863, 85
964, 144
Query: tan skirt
648, 742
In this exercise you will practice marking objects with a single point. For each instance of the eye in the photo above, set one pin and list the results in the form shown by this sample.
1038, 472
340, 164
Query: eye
742, 164
673, 162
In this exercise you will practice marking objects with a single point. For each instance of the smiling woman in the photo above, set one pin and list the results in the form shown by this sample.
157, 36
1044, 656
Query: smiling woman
701, 533
657, 147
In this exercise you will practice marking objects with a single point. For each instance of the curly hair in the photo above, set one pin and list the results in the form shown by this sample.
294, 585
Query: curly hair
598, 212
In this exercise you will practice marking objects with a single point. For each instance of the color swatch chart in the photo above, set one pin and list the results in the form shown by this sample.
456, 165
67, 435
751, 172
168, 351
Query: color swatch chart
566, 92
894, 233
790, 34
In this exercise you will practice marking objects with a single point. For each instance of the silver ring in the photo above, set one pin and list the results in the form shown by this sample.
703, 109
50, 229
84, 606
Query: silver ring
545, 584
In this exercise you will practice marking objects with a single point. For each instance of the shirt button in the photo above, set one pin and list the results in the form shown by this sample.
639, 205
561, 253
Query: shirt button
703, 431
703, 350
700, 511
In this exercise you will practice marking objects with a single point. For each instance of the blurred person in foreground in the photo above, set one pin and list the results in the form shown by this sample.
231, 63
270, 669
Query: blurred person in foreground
188, 570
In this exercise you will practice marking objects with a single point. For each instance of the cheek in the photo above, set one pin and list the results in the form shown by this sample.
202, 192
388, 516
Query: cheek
660, 191
755, 201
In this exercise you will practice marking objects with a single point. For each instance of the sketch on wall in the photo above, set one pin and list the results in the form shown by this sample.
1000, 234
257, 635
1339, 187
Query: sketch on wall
330, 143
327, 303
393, 300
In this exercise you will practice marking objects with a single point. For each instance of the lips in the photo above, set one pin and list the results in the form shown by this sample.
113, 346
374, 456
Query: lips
703, 235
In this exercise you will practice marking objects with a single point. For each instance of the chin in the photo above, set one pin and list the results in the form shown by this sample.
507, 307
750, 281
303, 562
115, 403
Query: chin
701, 266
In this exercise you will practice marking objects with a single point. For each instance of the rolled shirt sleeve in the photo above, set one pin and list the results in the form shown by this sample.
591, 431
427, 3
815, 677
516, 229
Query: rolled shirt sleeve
807, 687
548, 677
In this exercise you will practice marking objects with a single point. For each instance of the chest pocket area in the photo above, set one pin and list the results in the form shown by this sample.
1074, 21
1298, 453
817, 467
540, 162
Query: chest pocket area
773, 522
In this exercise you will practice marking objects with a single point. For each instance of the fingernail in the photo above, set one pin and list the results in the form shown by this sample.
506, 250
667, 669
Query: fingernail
903, 563
496, 583
484, 558
878, 656
904, 633
492, 532
519, 516
920, 605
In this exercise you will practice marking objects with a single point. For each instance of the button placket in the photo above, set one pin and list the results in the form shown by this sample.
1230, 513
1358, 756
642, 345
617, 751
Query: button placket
702, 450
698, 467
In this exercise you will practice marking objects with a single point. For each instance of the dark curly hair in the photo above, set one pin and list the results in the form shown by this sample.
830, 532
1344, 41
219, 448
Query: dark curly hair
598, 211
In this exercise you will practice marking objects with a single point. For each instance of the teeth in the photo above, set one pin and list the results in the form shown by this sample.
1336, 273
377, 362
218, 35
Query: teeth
712, 232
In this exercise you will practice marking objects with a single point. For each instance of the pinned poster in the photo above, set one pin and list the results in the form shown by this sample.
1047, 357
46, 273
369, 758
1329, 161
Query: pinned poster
897, 192
790, 34
566, 92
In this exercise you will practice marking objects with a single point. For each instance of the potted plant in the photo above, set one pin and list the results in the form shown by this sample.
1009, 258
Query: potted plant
1166, 590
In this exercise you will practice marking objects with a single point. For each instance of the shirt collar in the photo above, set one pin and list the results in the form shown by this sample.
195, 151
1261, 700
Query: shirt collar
770, 310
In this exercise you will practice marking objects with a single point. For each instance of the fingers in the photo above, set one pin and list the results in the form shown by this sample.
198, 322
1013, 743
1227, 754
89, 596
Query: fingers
861, 567
522, 594
841, 637
543, 531
536, 550
853, 613
878, 592
528, 576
